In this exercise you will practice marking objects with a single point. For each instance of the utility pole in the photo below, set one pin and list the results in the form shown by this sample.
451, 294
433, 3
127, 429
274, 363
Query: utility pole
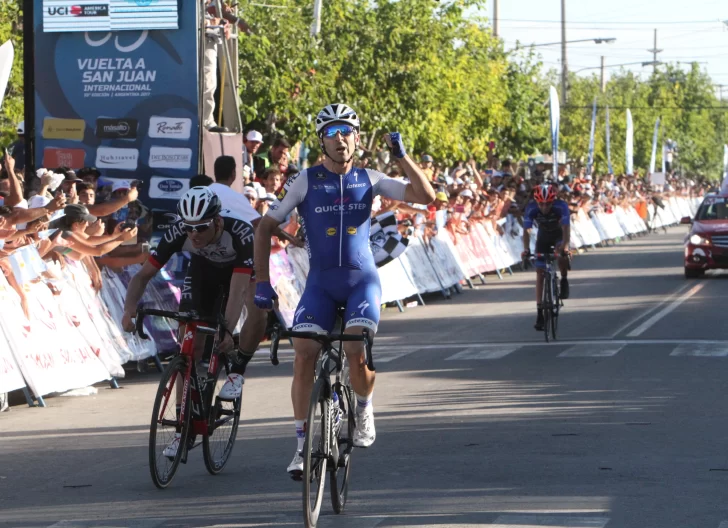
602, 81
654, 52
564, 66
496, 32
720, 87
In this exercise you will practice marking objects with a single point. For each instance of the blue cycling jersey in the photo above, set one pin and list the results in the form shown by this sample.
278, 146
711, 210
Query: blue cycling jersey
550, 222
335, 211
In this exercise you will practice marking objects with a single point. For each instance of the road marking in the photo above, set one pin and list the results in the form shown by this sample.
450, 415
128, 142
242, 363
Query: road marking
552, 521
651, 310
489, 352
598, 350
127, 523
665, 311
702, 350
386, 354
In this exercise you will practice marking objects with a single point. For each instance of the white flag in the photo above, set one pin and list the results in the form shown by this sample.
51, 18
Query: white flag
590, 161
555, 116
654, 146
629, 150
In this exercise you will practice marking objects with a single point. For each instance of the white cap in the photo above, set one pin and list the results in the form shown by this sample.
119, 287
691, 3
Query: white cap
254, 135
38, 201
467, 193
250, 191
21, 128
262, 193
119, 185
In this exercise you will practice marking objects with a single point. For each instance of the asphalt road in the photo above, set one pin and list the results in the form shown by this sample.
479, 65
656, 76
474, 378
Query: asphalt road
621, 423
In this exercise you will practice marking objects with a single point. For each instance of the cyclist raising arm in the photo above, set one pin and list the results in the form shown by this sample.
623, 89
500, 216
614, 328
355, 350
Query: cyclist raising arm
554, 233
334, 202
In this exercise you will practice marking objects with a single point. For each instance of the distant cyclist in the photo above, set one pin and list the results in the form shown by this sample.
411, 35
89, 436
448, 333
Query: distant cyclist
551, 216
334, 202
221, 249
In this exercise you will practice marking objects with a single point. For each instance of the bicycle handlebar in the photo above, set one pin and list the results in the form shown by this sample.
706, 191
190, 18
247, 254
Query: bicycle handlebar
182, 317
325, 339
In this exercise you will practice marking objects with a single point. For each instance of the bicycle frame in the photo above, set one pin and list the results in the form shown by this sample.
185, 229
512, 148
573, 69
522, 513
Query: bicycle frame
192, 327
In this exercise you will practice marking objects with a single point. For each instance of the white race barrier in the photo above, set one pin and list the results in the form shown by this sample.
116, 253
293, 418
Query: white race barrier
72, 339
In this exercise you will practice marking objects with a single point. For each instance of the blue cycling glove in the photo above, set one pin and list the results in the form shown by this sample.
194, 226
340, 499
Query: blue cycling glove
397, 145
264, 295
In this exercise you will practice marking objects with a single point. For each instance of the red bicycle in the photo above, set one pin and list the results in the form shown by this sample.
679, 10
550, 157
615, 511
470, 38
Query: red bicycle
180, 417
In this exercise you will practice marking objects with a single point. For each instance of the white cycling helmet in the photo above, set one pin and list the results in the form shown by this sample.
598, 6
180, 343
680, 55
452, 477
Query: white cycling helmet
336, 113
21, 128
199, 203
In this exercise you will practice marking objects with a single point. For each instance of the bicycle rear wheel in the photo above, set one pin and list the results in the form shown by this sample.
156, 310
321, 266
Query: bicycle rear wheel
341, 473
316, 453
166, 424
222, 424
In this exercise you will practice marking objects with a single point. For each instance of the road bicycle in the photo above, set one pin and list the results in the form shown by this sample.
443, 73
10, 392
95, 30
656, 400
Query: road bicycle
200, 413
331, 422
551, 301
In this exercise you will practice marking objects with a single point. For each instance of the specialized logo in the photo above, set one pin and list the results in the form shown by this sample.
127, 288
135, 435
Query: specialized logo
54, 128
108, 128
331, 231
351, 230
117, 158
363, 306
299, 311
170, 127
170, 158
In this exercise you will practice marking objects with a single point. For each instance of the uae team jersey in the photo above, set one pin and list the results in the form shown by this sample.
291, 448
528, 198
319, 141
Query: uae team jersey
549, 223
233, 250
335, 211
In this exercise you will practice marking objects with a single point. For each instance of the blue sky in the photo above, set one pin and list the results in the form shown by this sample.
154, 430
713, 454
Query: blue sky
687, 31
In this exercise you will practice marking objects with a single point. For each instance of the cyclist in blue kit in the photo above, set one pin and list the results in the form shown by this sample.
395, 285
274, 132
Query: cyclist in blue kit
554, 232
334, 202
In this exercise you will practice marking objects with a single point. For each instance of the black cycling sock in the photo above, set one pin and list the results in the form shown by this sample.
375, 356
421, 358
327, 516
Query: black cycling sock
241, 362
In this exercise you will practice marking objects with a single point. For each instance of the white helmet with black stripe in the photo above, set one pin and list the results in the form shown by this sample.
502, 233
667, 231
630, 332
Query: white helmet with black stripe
336, 113
199, 203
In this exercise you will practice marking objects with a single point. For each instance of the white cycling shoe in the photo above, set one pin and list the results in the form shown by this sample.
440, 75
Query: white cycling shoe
171, 450
295, 468
365, 433
233, 388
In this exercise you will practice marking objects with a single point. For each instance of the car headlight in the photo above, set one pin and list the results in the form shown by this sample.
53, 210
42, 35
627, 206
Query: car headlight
697, 240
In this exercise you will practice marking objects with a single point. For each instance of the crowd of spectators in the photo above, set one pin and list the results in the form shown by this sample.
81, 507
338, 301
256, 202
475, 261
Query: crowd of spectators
491, 191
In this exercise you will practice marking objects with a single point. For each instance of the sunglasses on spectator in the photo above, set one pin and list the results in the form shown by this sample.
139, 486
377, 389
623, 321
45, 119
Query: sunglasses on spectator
344, 130
197, 228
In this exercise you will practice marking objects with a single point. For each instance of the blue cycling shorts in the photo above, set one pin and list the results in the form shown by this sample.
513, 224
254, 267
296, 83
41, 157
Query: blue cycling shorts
358, 291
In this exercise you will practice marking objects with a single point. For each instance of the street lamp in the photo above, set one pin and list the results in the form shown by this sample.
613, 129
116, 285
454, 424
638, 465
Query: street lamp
594, 40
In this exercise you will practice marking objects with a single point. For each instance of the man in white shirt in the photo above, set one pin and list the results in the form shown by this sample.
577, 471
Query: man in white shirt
237, 205
251, 145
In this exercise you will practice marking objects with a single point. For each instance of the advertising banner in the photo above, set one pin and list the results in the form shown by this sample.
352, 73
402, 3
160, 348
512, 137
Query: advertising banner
108, 15
125, 102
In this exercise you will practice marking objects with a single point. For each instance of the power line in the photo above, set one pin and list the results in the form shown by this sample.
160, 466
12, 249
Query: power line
620, 23
650, 107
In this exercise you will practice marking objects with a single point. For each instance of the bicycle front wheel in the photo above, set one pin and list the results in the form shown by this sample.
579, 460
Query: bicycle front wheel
316, 453
547, 306
222, 424
165, 450
555, 308
345, 437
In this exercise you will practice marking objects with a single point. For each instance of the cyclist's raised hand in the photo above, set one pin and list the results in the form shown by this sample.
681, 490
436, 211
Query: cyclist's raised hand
264, 295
